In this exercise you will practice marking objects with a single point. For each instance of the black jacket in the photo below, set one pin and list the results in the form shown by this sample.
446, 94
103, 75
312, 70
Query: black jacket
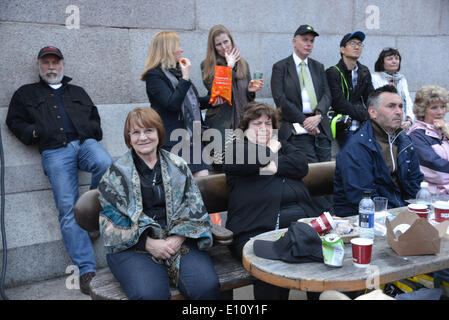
254, 199
34, 107
356, 106
167, 100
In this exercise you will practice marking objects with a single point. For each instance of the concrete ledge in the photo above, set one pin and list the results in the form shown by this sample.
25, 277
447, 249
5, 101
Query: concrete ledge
43, 261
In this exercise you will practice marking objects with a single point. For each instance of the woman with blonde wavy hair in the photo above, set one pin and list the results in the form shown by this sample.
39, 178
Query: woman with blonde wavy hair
222, 51
173, 95
430, 135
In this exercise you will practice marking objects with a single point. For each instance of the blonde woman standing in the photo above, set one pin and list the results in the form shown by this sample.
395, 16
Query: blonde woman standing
172, 94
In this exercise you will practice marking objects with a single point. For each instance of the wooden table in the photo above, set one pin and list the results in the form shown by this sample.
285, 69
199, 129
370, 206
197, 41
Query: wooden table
386, 266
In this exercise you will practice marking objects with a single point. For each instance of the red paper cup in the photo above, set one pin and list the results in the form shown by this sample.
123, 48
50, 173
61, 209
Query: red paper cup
323, 223
361, 252
420, 209
441, 209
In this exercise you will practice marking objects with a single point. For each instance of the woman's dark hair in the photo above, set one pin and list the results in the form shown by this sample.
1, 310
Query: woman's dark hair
386, 52
254, 110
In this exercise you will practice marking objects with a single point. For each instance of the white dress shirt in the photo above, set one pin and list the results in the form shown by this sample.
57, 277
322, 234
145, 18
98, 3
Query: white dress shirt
306, 109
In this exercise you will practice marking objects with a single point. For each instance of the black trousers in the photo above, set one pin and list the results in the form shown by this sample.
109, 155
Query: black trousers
317, 149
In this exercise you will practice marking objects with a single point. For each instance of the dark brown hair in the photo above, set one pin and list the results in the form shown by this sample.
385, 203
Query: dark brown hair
148, 118
254, 110
386, 52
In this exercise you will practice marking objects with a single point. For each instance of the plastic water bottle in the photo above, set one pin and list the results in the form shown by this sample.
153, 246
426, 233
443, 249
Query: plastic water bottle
366, 216
423, 196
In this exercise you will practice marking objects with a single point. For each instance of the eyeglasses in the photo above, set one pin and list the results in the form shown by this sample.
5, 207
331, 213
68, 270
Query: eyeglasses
356, 44
137, 133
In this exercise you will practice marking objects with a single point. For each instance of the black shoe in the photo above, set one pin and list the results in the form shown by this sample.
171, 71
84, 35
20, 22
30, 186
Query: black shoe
85, 280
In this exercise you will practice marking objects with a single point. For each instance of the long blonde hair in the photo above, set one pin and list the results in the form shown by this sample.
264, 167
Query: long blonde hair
161, 51
211, 55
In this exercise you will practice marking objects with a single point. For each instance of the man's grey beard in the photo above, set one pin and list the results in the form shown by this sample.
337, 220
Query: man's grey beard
52, 80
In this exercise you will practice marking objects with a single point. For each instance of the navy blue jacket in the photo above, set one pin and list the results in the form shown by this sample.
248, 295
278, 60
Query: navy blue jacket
167, 100
360, 166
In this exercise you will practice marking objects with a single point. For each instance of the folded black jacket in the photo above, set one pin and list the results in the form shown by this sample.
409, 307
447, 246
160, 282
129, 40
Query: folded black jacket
34, 107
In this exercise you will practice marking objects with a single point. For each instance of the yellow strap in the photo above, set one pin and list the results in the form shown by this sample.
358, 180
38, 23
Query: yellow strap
334, 124
402, 286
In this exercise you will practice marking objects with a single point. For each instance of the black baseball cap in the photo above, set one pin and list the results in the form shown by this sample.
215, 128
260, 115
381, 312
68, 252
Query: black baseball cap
305, 28
355, 34
49, 50
301, 243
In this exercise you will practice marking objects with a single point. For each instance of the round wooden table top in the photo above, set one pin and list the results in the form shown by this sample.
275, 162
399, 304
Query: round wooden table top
386, 266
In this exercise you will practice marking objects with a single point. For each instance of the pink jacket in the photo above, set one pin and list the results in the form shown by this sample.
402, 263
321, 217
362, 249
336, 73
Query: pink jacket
433, 151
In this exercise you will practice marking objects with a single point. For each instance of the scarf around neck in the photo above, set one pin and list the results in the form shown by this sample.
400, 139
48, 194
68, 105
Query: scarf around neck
239, 93
395, 78
190, 109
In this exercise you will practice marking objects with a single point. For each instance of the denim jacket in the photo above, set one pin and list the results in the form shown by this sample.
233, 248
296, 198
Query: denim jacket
34, 107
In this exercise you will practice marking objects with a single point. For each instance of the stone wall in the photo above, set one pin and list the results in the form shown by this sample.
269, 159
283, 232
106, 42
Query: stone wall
106, 56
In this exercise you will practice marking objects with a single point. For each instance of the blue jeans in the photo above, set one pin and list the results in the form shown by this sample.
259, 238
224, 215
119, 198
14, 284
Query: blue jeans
61, 167
143, 279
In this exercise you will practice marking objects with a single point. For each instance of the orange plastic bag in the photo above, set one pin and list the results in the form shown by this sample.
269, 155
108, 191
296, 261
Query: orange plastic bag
222, 85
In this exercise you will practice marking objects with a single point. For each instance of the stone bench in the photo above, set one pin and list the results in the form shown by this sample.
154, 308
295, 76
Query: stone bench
214, 191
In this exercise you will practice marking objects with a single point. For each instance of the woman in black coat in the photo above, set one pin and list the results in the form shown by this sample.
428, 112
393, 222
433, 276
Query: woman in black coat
264, 177
173, 95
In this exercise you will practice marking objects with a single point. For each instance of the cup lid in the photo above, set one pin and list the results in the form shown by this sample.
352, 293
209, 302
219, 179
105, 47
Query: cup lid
362, 241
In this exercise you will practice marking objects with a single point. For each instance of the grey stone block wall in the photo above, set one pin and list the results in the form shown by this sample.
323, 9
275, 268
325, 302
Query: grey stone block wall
106, 56
35, 248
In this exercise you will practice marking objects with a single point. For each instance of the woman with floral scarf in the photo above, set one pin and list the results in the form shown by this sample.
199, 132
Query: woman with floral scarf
154, 223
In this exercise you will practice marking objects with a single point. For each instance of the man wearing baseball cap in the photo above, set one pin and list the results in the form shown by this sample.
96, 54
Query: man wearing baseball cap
350, 84
299, 88
62, 119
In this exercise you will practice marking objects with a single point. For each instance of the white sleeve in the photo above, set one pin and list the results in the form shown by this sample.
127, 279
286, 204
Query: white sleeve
408, 100
377, 80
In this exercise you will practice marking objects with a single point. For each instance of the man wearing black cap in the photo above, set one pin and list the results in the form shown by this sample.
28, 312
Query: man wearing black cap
299, 88
350, 84
64, 121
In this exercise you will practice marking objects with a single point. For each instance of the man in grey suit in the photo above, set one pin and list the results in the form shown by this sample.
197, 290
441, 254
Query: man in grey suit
299, 88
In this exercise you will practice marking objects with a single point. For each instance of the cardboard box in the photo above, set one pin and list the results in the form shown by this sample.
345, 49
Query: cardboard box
421, 238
